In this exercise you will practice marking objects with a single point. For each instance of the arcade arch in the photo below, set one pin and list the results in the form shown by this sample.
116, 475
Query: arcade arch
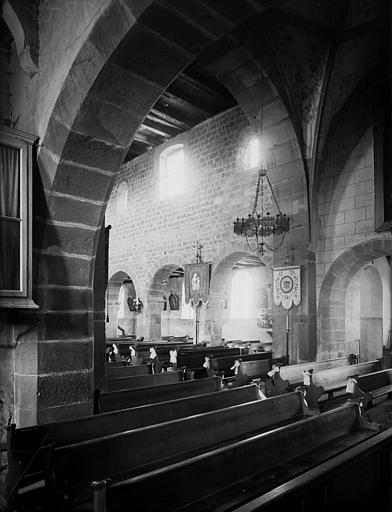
118, 314
224, 324
355, 302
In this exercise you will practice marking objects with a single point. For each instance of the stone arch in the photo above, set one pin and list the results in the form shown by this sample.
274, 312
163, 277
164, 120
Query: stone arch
117, 314
222, 266
127, 270
331, 306
103, 100
155, 290
223, 263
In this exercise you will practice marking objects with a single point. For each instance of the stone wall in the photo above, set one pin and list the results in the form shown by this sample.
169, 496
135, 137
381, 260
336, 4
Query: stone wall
218, 188
346, 192
346, 236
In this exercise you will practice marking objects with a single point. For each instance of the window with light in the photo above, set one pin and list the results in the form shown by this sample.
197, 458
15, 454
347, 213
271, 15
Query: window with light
252, 153
171, 172
241, 295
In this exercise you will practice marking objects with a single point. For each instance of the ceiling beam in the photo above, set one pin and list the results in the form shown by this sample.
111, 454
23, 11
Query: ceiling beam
160, 127
187, 102
162, 105
214, 90
148, 140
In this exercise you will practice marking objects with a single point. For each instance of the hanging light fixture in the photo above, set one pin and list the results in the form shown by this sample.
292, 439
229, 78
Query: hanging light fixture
260, 224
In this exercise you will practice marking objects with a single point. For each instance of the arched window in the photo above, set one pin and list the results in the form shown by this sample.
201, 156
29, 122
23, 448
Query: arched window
187, 311
241, 295
252, 153
171, 172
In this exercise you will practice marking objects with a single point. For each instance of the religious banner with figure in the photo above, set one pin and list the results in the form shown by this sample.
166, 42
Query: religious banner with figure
287, 286
197, 282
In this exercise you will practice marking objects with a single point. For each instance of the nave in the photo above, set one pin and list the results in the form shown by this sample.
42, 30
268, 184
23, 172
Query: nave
195, 254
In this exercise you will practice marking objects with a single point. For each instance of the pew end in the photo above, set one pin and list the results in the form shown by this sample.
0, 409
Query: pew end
100, 489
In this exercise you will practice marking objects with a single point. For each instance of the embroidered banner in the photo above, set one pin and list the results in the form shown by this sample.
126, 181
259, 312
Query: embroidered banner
287, 286
197, 282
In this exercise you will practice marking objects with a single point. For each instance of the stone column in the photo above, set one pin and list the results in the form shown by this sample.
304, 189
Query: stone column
212, 325
151, 324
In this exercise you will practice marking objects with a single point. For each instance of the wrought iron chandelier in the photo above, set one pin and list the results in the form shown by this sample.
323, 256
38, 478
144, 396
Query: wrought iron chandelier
259, 225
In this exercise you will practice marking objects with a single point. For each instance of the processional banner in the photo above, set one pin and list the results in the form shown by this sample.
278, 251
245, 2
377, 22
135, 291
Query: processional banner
197, 283
287, 286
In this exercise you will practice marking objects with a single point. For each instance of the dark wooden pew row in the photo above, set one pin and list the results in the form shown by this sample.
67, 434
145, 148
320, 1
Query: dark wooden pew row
222, 365
114, 372
362, 489
377, 383
124, 399
258, 369
24, 443
115, 364
195, 358
139, 381
129, 453
223, 478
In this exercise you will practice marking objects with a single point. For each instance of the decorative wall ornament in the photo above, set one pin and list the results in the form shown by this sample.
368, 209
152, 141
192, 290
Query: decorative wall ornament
287, 286
197, 282
134, 304
174, 301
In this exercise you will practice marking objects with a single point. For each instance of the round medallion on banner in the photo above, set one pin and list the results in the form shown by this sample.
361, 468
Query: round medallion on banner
286, 284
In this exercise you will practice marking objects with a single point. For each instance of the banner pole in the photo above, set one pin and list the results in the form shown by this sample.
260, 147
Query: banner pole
287, 337
197, 316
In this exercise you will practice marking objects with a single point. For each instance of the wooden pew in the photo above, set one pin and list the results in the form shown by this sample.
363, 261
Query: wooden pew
195, 358
24, 443
115, 400
138, 381
333, 379
232, 475
222, 365
377, 383
115, 364
258, 369
116, 372
133, 452
294, 372
362, 489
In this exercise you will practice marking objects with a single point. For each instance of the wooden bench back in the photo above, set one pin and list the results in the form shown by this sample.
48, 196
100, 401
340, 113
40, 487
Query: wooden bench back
128, 453
139, 381
224, 364
115, 364
375, 380
115, 400
195, 358
24, 443
294, 372
259, 368
335, 378
114, 372
211, 473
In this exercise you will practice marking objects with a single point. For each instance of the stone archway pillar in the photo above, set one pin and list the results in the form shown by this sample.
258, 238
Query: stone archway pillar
213, 320
150, 325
